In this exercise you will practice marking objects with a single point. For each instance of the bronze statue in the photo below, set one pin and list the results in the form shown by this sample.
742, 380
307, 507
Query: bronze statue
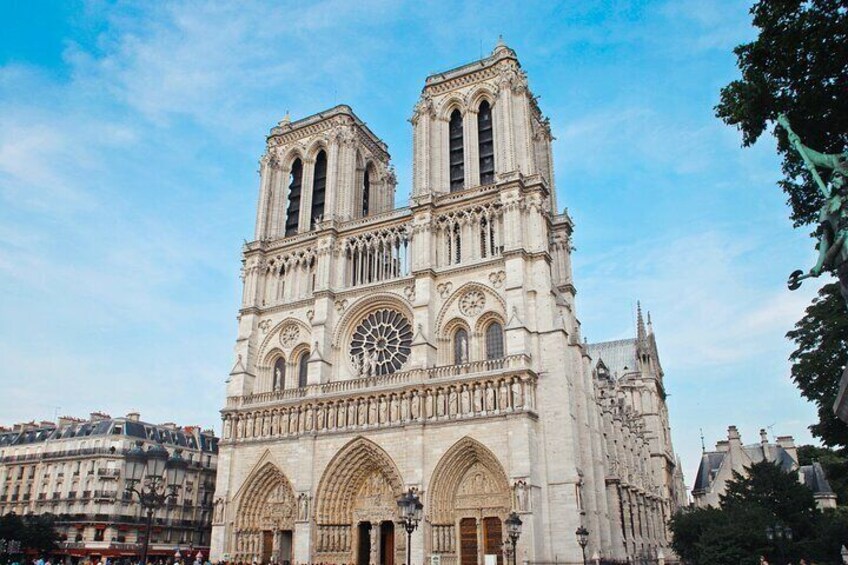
833, 217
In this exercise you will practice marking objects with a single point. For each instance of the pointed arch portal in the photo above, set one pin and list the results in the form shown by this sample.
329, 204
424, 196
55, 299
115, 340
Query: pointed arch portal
356, 507
469, 497
264, 526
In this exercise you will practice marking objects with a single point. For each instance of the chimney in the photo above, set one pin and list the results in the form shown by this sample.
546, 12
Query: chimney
66, 420
788, 444
733, 436
763, 436
723, 446
98, 416
133, 416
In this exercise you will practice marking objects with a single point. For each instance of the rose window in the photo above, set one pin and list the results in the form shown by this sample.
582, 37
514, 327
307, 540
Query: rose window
472, 302
381, 343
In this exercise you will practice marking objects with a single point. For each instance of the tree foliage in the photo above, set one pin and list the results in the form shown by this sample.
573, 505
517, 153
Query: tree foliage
821, 339
798, 65
735, 533
35, 532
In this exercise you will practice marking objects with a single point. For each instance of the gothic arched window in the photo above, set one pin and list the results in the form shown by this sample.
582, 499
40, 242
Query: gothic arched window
293, 213
486, 143
302, 369
460, 346
494, 341
279, 374
457, 157
319, 187
366, 191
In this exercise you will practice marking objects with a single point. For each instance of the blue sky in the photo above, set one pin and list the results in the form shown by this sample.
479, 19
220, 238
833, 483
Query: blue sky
129, 140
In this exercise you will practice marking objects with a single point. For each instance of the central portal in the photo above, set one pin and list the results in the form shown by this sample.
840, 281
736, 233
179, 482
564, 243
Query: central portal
371, 536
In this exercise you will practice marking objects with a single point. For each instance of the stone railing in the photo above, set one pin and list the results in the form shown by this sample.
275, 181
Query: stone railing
393, 380
431, 401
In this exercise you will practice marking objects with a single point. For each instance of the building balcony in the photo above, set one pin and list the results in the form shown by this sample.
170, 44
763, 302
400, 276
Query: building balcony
108, 473
105, 495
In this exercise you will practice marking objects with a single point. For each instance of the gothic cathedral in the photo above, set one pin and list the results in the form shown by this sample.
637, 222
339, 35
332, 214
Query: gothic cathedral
433, 347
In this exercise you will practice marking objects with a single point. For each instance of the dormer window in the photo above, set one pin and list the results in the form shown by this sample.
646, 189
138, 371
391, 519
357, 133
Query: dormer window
457, 156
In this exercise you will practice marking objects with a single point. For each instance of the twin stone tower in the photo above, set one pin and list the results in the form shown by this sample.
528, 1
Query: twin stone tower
433, 347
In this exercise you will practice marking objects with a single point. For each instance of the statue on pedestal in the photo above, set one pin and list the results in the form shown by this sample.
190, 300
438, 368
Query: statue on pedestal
833, 217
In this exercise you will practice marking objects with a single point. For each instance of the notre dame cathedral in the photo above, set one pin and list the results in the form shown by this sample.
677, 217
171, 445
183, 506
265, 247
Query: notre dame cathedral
433, 347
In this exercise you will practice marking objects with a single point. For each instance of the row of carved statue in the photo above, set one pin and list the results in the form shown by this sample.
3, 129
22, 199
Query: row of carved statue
483, 398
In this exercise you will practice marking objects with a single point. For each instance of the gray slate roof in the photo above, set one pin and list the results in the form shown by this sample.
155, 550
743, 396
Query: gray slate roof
619, 356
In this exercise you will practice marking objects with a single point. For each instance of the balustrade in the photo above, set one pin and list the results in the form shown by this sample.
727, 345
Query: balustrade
430, 402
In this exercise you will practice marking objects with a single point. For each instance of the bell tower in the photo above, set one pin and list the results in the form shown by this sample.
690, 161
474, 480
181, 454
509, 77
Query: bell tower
479, 124
328, 166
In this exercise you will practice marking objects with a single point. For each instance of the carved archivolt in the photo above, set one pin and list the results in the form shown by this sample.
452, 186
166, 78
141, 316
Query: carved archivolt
268, 502
468, 477
361, 478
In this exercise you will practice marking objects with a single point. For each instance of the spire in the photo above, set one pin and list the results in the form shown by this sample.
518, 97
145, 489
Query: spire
640, 323
650, 325
286, 120
501, 47
703, 446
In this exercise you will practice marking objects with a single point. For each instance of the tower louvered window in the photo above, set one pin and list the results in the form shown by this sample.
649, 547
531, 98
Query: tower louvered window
319, 188
366, 192
457, 163
486, 145
293, 212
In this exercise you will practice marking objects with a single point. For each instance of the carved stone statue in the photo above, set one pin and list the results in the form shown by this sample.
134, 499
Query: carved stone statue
833, 216
303, 506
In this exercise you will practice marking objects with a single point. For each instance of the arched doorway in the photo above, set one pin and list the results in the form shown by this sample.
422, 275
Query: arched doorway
469, 499
264, 525
356, 507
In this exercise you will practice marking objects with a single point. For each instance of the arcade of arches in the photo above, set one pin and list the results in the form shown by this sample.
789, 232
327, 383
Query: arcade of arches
355, 512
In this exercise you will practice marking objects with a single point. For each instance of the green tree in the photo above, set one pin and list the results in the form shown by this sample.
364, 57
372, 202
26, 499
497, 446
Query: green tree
735, 533
688, 527
797, 66
821, 338
35, 532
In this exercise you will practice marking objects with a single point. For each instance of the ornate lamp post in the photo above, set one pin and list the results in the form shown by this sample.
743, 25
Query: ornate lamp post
155, 478
583, 539
777, 534
410, 510
513, 530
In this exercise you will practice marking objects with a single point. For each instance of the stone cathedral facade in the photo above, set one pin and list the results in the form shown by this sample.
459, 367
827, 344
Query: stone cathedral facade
433, 347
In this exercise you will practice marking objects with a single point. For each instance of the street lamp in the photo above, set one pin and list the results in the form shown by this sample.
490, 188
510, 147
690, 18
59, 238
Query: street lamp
513, 530
410, 510
155, 478
777, 534
583, 539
